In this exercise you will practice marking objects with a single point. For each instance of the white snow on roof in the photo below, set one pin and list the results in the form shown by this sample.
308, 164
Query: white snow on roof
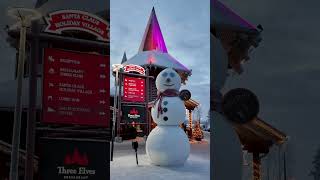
156, 58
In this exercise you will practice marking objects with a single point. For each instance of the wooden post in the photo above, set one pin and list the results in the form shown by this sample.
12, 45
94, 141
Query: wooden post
14, 163
148, 120
256, 165
32, 111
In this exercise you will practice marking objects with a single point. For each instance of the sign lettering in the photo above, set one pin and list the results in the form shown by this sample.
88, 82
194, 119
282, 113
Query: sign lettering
75, 88
62, 20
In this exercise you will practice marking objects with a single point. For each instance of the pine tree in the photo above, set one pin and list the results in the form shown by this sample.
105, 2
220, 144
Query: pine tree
315, 172
197, 132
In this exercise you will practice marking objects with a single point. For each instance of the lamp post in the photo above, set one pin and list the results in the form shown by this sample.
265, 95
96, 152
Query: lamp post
24, 16
115, 68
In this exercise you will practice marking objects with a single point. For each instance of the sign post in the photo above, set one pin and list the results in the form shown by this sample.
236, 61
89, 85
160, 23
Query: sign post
32, 111
116, 68
75, 84
24, 16
134, 102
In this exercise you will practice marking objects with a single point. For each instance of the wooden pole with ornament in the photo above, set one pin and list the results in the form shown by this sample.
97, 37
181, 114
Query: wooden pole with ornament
256, 165
190, 123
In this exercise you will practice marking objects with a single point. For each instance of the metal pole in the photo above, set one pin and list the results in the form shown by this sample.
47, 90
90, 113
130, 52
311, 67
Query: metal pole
14, 166
148, 120
114, 114
268, 168
137, 158
31, 123
119, 105
284, 165
279, 162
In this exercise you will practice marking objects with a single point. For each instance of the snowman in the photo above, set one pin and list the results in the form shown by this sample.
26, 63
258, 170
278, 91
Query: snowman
167, 144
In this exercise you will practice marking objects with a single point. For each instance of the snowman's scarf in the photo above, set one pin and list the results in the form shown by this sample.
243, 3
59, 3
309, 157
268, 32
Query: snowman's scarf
166, 93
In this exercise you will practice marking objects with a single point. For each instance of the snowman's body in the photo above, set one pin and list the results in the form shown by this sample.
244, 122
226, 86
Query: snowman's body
167, 144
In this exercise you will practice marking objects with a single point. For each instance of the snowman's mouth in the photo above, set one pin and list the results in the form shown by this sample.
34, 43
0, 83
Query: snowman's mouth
168, 84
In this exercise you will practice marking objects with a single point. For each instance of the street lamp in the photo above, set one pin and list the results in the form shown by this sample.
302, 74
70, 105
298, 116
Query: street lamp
24, 16
115, 68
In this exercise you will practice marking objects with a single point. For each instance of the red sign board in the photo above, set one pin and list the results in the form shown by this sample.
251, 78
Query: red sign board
75, 88
134, 68
59, 21
133, 89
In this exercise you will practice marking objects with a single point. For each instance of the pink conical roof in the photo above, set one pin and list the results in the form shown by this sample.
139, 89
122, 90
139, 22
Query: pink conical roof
224, 16
152, 38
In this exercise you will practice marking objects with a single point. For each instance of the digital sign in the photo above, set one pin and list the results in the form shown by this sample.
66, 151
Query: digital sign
134, 89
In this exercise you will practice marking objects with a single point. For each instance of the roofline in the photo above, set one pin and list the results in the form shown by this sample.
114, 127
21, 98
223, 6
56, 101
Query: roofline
279, 134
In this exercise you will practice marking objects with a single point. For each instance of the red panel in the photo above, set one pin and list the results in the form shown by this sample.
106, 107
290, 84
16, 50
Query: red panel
133, 89
76, 88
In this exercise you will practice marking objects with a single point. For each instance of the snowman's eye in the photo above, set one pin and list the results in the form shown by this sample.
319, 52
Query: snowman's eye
165, 74
172, 75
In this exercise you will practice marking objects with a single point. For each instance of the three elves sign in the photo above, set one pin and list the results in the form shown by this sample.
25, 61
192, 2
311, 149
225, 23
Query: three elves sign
133, 113
63, 20
64, 159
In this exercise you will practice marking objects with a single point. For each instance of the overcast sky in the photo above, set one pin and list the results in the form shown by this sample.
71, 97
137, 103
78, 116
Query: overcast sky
7, 60
284, 72
185, 28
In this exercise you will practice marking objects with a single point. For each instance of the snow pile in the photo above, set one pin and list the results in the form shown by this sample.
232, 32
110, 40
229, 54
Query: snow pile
123, 166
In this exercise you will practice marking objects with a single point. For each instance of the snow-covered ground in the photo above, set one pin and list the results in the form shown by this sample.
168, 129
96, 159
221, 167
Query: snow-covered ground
123, 166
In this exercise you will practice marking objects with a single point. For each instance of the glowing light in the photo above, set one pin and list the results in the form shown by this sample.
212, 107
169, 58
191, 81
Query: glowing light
151, 59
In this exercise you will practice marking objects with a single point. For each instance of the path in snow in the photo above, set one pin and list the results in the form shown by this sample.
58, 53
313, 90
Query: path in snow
123, 166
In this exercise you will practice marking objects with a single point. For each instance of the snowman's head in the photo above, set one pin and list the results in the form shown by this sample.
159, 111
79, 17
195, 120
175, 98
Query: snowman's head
168, 79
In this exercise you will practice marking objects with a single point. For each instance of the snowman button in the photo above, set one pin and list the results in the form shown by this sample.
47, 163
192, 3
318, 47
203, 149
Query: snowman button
165, 118
165, 102
165, 109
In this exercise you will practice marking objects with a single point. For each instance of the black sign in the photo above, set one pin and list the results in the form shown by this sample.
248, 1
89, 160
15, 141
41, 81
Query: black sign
74, 160
133, 113
185, 95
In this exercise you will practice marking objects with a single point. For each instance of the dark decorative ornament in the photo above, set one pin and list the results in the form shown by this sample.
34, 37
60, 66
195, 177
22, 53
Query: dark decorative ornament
185, 95
240, 105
